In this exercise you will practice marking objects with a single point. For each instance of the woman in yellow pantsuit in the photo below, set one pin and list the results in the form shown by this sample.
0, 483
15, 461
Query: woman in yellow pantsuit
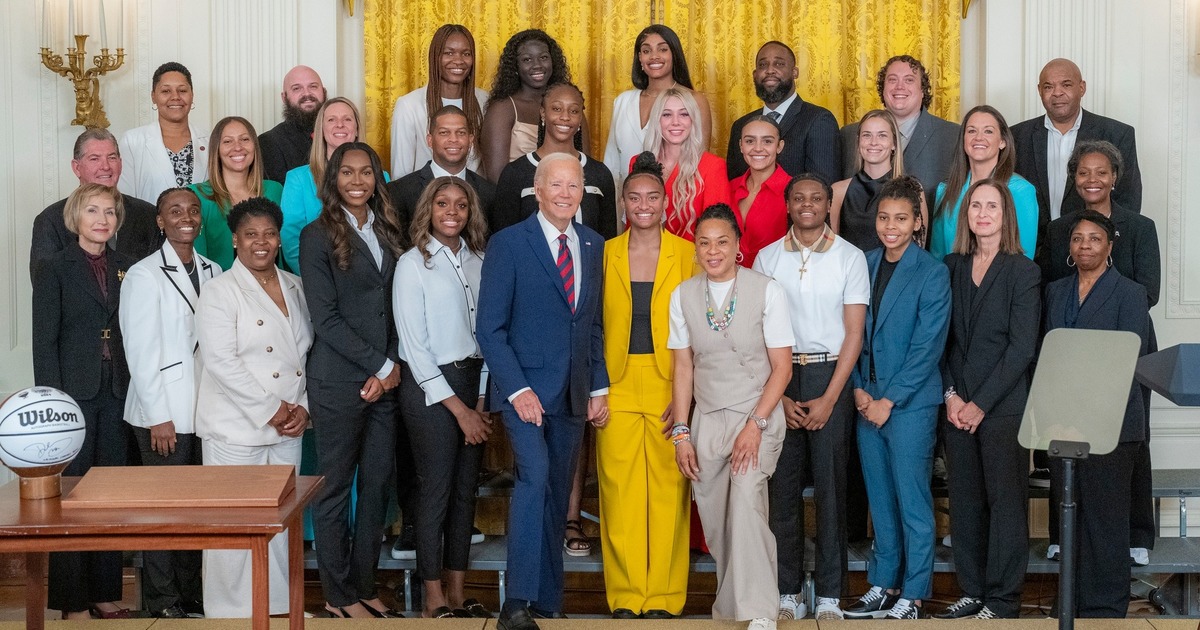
643, 497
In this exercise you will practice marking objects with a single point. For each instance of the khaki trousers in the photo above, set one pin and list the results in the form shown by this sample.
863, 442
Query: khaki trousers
734, 512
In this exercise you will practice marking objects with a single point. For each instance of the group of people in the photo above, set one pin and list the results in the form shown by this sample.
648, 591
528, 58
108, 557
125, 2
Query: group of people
821, 306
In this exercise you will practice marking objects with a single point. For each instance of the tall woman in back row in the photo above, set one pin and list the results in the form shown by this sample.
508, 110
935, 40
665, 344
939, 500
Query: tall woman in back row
994, 325
732, 339
658, 65
643, 497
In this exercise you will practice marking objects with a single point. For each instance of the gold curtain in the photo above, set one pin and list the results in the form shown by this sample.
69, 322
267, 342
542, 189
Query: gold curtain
840, 44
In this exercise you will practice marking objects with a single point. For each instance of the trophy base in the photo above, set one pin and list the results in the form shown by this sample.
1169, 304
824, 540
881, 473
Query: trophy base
47, 487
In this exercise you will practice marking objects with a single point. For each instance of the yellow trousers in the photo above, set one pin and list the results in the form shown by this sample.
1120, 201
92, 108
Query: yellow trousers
644, 506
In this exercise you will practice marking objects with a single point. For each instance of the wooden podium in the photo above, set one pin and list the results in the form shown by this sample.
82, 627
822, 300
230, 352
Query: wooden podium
153, 518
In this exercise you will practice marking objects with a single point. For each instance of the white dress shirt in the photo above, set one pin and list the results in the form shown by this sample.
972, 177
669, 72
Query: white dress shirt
1058, 152
367, 234
835, 275
438, 171
435, 306
782, 109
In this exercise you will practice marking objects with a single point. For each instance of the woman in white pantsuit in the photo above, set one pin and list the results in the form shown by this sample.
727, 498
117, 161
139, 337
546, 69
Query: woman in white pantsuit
254, 333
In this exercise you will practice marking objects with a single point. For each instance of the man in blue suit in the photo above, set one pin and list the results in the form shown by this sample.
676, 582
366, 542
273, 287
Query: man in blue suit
540, 331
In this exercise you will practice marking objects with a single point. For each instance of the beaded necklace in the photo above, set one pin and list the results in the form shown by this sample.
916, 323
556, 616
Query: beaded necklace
727, 316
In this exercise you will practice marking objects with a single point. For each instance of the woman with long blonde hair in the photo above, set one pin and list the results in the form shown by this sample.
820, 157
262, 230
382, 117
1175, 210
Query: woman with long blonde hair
695, 178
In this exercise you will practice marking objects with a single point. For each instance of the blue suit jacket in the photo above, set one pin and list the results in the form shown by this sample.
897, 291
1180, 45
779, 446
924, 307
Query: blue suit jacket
525, 327
909, 337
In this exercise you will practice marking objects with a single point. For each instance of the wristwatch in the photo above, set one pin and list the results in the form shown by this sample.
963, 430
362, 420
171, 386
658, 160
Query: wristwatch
759, 422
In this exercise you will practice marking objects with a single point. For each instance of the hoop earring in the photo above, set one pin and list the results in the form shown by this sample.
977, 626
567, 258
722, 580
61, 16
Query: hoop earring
1070, 261
154, 106
739, 258
1109, 261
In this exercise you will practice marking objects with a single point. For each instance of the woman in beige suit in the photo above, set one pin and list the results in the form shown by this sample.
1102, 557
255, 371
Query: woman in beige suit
254, 333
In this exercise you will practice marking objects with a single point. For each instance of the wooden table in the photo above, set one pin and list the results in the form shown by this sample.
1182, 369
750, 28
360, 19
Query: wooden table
36, 528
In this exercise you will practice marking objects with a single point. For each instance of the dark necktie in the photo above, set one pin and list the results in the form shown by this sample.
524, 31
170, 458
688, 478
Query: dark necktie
566, 269
776, 116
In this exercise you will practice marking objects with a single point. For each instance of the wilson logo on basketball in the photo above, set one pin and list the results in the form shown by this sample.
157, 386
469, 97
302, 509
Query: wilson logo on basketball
38, 416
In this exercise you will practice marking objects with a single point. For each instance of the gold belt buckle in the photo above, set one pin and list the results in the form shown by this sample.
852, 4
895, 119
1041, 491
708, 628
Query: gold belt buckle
106, 333
803, 360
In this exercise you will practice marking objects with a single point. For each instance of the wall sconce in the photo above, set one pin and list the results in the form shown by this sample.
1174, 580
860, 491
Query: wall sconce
89, 111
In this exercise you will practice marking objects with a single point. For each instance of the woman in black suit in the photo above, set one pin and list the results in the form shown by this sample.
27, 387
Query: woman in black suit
347, 258
1098, 297
994, 323
1094, 167
77, 349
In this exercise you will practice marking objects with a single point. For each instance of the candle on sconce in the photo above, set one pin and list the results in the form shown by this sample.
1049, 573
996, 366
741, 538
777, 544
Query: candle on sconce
45, 24
71, 30
103, 28
121, 24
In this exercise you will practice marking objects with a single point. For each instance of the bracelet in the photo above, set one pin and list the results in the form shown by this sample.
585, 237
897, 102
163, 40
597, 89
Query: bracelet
680, 429
684, 437
948, 394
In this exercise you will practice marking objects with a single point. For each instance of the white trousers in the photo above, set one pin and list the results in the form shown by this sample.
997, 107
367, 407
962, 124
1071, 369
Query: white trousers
227, 572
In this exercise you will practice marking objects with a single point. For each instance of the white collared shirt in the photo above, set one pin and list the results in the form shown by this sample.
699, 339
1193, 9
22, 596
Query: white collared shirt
832, 278
435, 307
1058, 152
552, 233
782, 109
438, 171
367, 234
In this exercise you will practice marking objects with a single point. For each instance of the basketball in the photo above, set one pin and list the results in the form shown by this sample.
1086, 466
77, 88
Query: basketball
40, 426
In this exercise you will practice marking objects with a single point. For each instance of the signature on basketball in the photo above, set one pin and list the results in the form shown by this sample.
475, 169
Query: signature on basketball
50, 450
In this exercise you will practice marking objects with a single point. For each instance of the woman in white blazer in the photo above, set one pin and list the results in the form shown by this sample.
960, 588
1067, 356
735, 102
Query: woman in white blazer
254, 332
168, 152
158, 310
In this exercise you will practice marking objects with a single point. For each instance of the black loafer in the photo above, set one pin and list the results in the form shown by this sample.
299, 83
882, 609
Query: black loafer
519, 620
476, 609
657, 613
382, 614
624, 613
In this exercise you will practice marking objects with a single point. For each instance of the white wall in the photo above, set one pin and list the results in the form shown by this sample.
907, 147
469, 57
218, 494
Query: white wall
1139, 59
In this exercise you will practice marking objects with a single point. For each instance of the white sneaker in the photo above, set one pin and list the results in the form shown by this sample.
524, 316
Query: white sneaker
1140, 556
761, 623
1052, 552
829, 609
791, 607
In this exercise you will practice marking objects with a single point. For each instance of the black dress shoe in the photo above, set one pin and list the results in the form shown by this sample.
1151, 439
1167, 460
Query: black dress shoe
194, 608
174, 611
476, 609
624, 613
519, 620
657, 613
382, 614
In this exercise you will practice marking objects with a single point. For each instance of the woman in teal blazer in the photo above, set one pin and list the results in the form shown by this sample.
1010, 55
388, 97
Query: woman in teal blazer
897, 390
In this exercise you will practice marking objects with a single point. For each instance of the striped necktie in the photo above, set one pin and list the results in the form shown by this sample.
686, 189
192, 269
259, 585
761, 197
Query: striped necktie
566, 269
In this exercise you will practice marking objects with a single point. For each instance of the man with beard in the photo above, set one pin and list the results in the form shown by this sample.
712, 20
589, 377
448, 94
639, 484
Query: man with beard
286, 145
808, 132
928, 142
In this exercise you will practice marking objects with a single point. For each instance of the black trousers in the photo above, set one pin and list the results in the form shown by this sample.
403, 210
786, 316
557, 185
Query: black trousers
1142, 530
170, 577
353, 437
78, 579
987, 479
406, 474
447, 470
1102, 485
824, 453
856, 488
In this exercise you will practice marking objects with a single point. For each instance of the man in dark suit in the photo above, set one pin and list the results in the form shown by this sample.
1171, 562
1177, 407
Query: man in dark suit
928, 142
1045, 143
450, 139
286, 145
96, 160
809, 132
540, 331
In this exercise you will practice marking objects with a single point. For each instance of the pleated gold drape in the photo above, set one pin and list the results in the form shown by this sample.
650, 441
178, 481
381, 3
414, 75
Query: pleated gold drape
840, 44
